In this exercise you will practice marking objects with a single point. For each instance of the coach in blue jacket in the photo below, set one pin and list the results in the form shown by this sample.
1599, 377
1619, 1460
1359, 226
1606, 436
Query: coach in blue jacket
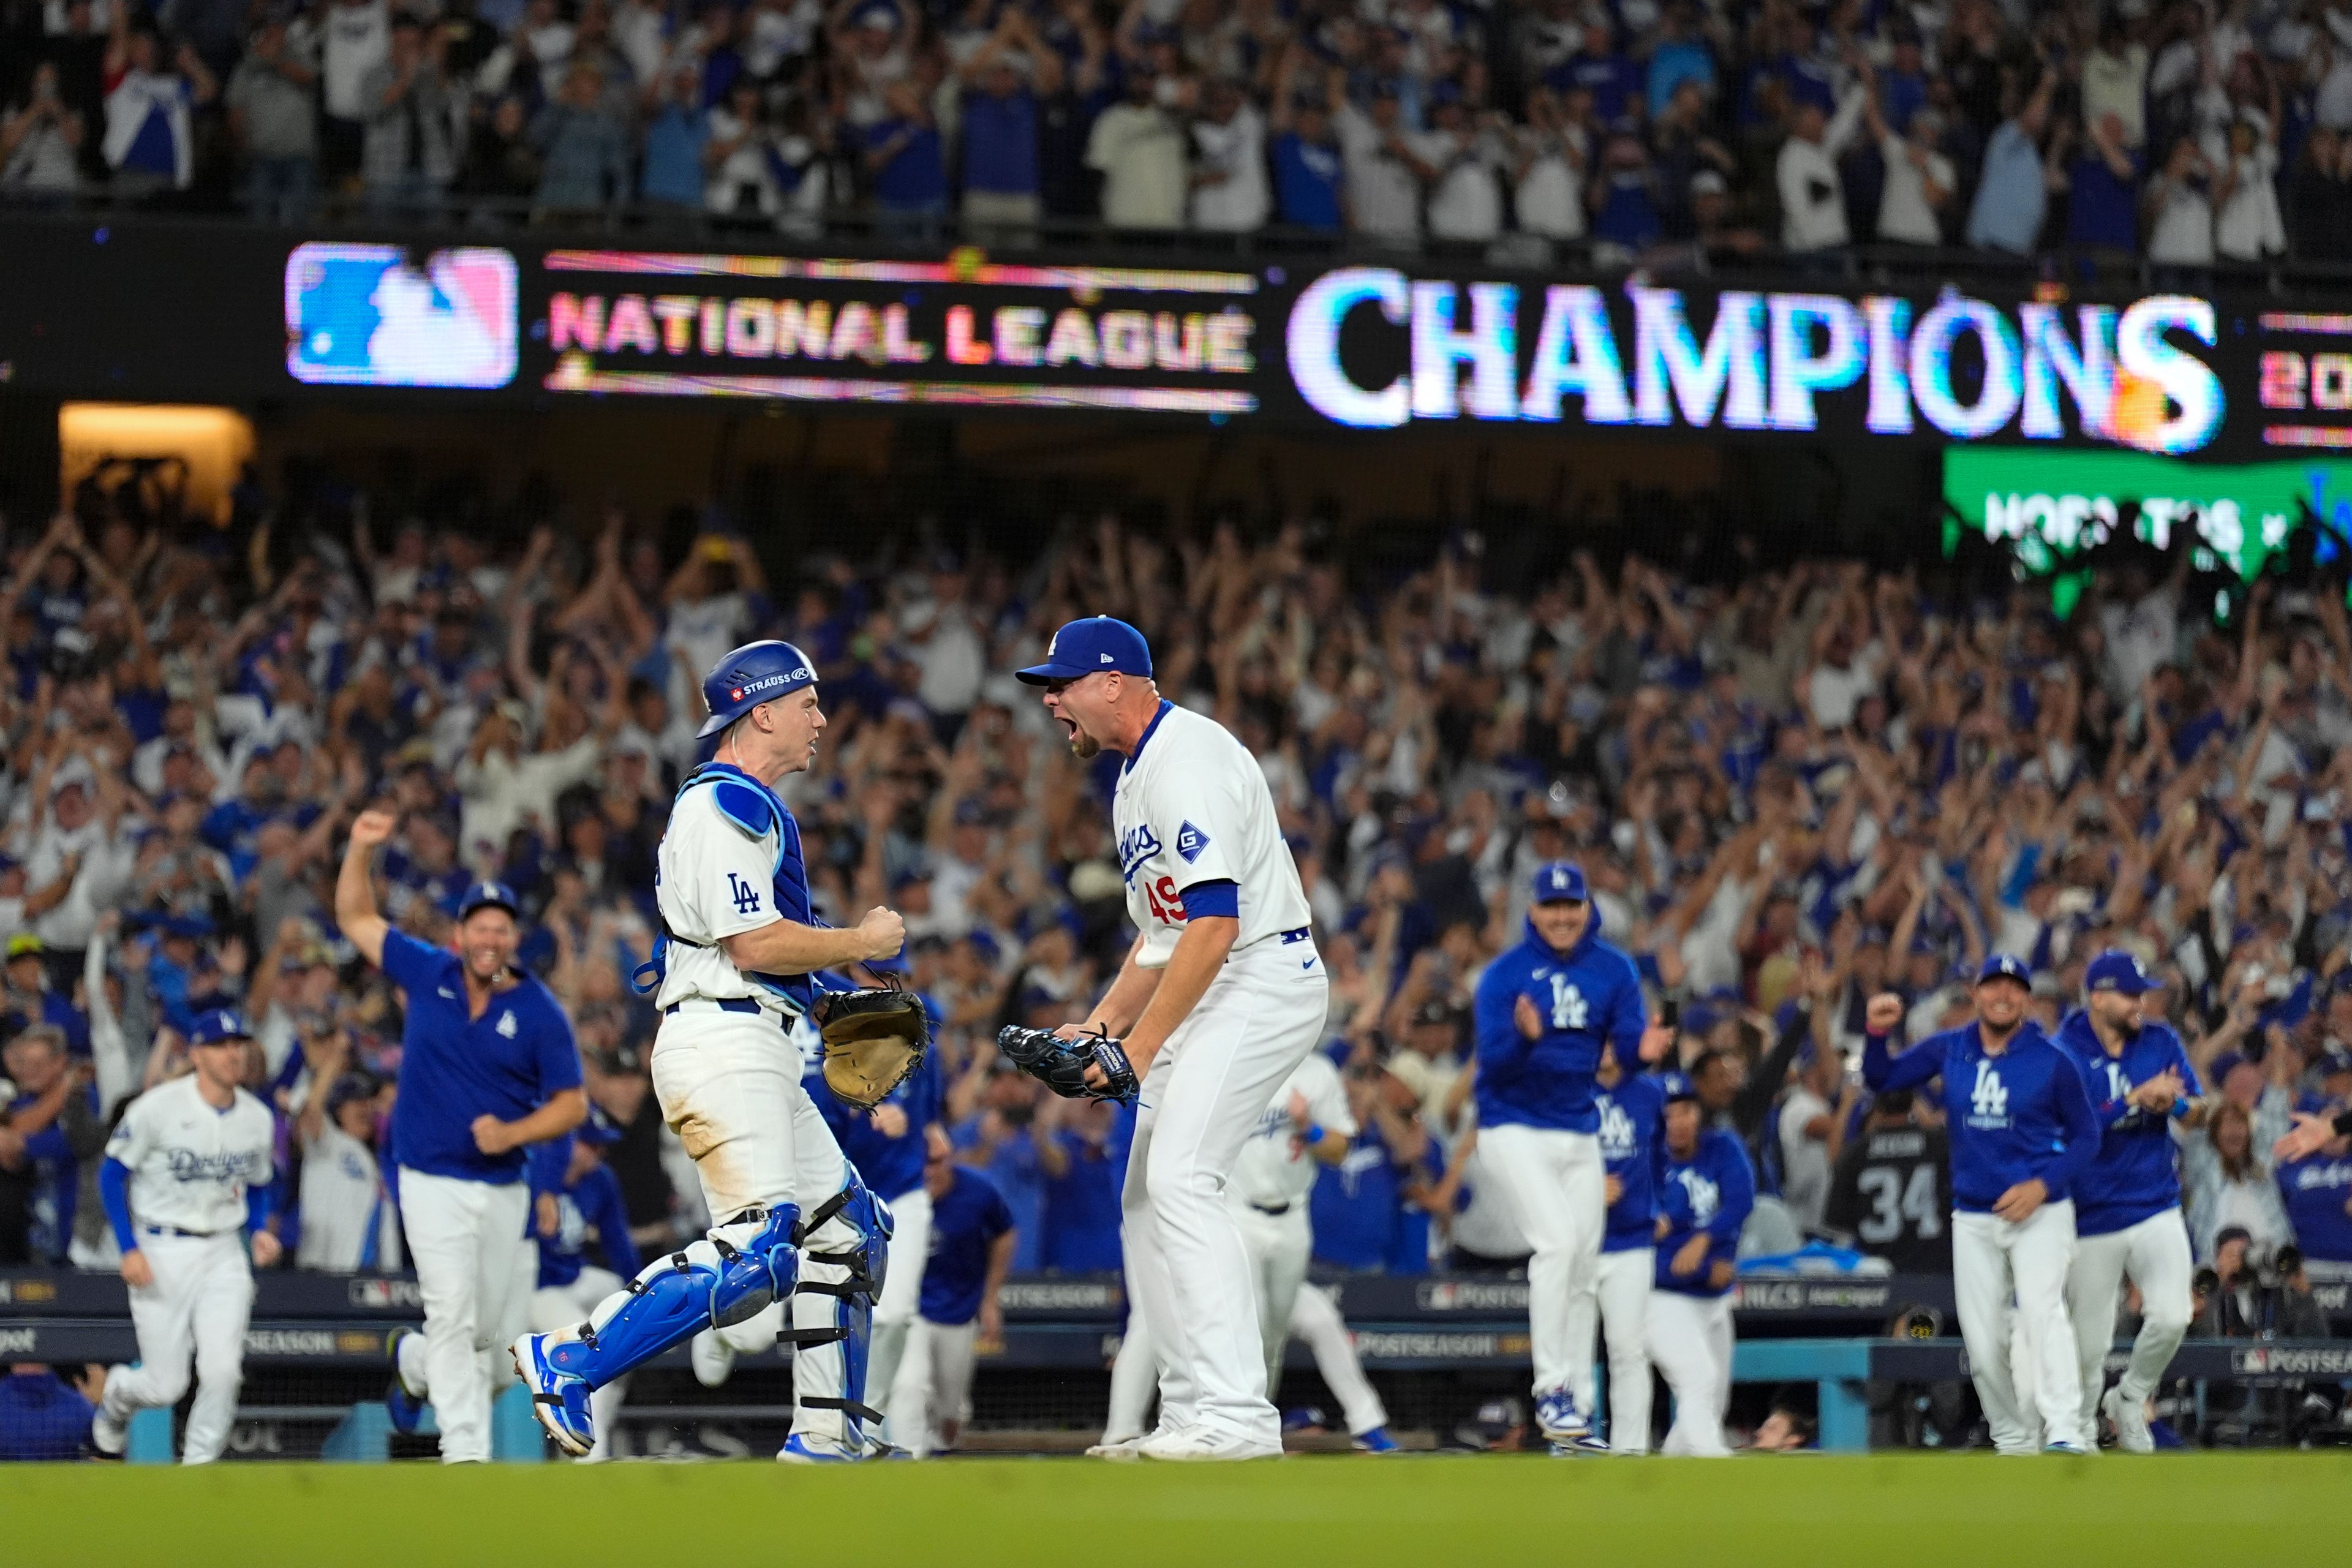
1543, 1010
2022, 1132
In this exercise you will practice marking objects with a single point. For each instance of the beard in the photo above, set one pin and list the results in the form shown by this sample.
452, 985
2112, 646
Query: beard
1083, 746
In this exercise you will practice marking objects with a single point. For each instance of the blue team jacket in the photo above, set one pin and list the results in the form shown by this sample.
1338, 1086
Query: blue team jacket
1585, 995
2013, 1117
1634, 1150
1713, 1191
2132, 1177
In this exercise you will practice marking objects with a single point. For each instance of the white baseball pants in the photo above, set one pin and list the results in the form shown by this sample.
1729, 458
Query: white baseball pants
1995, 1263
1554, 1184
1186, 1263
2155, 1252
1690, 1339
930, 1397
198, 1307
729, 1086
1622, 1292
902, 1291
558, 1307
1314, 1319
1278, 1245
474, 1267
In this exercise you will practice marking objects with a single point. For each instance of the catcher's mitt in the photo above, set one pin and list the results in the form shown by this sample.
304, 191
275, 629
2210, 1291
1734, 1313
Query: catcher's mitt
873, 1039
1061, 1065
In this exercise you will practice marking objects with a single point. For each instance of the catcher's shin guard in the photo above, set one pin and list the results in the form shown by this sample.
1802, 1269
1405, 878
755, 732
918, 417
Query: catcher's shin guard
844, 1252
724, 1279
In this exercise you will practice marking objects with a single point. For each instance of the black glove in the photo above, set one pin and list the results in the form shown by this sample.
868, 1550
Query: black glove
1061, 1065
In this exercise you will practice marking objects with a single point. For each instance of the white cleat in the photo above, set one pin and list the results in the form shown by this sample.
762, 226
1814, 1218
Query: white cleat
108, 1437
1196, 1445
712, 1358
1121, 1448
2130, 1417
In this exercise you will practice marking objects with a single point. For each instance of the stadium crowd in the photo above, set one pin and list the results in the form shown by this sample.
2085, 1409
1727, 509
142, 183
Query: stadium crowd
2189, 132
1790, 787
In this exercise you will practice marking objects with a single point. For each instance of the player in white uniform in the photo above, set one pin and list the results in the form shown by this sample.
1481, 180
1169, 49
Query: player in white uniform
791, 1218
1221, 997
1307, 1124
188, 1166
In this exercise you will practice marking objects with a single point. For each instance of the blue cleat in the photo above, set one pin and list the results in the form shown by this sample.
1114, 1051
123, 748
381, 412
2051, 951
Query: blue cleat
2062, 1447
559, 1399
799, 1450
405, 1408
1374, 1440
1559, 1418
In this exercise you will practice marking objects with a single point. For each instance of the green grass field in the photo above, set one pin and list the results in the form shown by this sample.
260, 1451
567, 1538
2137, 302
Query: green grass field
1432, 1511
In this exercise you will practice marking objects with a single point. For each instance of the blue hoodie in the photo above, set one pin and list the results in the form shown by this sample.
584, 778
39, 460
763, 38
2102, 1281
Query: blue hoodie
2133, 1177
2013, 1116
1713, 1191
1587, 994
1634, 1150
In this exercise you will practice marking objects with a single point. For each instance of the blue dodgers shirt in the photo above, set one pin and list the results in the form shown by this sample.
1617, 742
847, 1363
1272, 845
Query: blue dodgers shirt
2134, 1175
1634, 1150
1082, 1208
966, 1220
1589, 994
41, 1417
2013, 1117
2315, 1189
591, 1216
508, 1063
1712, 1192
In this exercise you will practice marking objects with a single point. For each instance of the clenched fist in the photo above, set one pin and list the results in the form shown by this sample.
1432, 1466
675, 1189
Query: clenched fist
1884, 1013
370, 828
884, 931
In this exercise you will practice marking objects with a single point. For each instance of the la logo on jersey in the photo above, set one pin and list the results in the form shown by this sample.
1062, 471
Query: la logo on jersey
2120, 1088
1569, 1009
1705, 1197
746, 896
1989, 1100
1190, 840
1616, 1129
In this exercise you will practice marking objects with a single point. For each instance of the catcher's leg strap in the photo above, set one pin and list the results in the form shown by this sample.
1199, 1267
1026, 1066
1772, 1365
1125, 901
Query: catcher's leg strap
850, 1270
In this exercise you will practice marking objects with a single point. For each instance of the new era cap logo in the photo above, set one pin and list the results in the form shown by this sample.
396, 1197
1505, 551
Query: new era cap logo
1106, 658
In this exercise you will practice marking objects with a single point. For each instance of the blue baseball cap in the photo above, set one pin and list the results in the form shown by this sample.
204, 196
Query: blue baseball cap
490, 896
1561, 881
2117, 970
1677, 1086
218, 1026
2005, 966
1089, 647
748, 676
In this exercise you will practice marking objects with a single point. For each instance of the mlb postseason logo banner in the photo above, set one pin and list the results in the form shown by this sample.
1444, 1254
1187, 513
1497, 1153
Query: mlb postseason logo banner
1378, 347
965, 333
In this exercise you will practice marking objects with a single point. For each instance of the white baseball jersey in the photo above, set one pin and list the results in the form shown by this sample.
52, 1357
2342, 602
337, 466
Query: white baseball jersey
716, 881
190, 1164
343, 1196
1274, 1168
1192, 806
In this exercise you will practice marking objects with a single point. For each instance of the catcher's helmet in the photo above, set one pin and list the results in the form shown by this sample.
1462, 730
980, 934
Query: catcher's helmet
755, 673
